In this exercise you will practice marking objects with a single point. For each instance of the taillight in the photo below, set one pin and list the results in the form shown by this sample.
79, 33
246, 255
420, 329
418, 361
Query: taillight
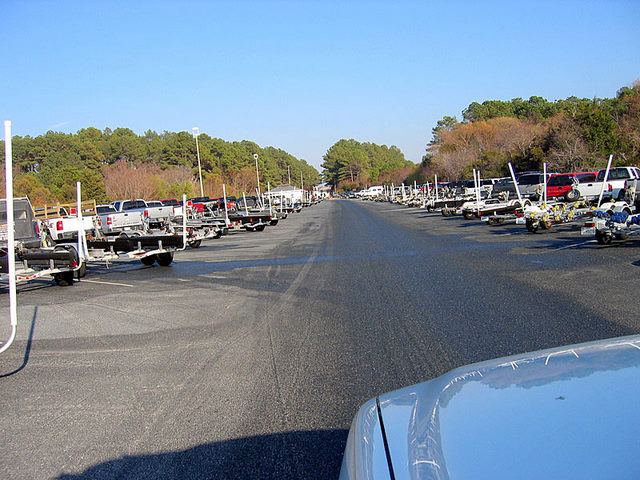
589, 224
109, 221
610, 187
59, 225
37, 228
146, 213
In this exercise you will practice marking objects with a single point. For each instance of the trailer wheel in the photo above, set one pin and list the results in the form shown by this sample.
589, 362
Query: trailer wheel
165, 259
468, 215
64, 279
603, 238
273, 222
445, 212
249, 228
491, 221
500, 220
621, 236
82, 271
572, 195
150, 260
194, 243
260, 228
545, 224
532, 225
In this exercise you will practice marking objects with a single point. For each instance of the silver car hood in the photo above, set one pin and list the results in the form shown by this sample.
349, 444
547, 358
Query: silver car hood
571, 412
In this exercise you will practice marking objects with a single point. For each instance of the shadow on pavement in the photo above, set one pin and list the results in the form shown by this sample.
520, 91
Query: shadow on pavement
292, 455
27, 350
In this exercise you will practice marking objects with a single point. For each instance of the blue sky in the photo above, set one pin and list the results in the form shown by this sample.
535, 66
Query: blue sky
302, 75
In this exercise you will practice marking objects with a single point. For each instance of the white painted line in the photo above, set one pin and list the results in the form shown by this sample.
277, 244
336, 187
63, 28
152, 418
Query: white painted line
107, 283
184, 280
211, 276
575, 245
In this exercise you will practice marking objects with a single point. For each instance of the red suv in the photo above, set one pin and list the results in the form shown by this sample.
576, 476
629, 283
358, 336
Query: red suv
559, 185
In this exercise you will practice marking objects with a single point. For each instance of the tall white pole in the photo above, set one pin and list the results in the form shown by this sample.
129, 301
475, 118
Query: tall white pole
196, 132
435, 182
226, 211
515, 183
255, 156
544, 195
289, 173
11, 248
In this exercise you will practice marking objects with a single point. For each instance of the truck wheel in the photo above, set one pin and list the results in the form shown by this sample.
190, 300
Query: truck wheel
603, 238
64, 279
260, 228
194, 243
165, 259
150, 260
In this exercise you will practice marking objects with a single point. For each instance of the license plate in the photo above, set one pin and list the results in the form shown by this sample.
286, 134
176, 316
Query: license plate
521, 221
484, 219
588, 231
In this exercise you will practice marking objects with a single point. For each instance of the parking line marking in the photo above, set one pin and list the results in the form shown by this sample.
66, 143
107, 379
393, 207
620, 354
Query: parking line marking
574, 245
108, 283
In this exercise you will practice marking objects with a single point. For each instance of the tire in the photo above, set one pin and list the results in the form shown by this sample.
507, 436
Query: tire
82, 271
621, 236
249, 229
532, 225
260, 228
500, 220
572, 195
150, 260
546, 225
603, 238
445, 212
194, 243
431, 209
273, 222
64, 279
491, 221
164, 259
468, 215
218, 234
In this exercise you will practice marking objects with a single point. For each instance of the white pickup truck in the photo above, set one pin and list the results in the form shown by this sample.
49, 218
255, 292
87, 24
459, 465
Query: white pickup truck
112, 222
155, 214
614, 188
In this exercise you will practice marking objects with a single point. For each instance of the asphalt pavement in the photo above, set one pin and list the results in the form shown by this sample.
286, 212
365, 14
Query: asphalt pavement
248, 357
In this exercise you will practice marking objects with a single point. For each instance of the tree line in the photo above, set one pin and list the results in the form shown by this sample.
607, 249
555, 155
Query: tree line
350, 164
569, 135
114, 164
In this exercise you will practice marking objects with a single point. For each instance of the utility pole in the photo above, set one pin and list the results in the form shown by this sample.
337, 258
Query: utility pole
196, 132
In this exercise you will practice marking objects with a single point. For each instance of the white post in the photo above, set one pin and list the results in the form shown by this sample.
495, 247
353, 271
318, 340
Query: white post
226, 211
269, 197
289, 173
435, 181
544, 195
196, 132
82, 239
11, 248
255, 156
604, 181
184, 221
478, 195
246, 209
515, 183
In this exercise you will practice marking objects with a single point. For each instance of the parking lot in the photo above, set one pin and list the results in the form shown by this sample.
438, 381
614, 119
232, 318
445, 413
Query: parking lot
248, 357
